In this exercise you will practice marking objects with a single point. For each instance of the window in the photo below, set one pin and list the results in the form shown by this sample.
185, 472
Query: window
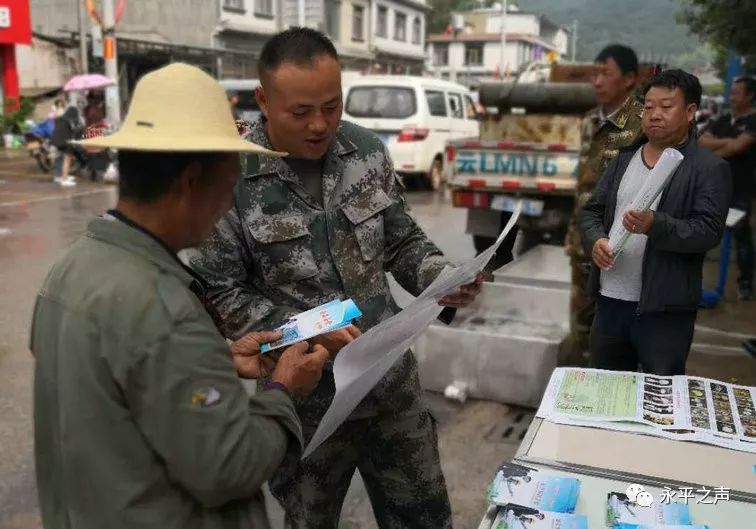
358, 22
234, 5
388, 102
400, 27
470, 106
264, 8
332, 18
473, 54
436, 103
440, 54
381, 23
416, 31
455, 104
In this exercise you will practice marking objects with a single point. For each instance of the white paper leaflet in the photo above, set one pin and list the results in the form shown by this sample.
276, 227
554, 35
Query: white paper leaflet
364, 362
652, 188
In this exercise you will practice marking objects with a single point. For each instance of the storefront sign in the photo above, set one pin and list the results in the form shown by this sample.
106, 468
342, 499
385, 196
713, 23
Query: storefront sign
15, 22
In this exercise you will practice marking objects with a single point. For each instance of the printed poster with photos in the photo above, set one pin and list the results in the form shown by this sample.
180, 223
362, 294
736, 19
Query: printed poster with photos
677, 407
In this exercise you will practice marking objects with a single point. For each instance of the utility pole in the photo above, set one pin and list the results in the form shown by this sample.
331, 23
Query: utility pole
574, 38
83, 58
503, 36
112, 93
301, 13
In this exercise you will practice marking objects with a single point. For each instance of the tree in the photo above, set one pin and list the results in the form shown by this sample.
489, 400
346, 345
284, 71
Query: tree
724, 23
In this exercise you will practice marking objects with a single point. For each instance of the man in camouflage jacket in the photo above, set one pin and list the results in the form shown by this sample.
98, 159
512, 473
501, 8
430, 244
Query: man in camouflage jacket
283, 249
602, 135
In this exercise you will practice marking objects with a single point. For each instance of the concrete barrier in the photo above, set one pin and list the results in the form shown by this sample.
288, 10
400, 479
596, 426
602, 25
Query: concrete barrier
503, 347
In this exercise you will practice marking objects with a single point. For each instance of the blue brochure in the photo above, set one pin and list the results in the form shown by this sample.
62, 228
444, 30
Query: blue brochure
633, 526
622, 510
314, 322
515, 517
529, 487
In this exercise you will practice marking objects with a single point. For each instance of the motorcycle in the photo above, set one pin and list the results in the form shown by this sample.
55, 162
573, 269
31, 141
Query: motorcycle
38, 144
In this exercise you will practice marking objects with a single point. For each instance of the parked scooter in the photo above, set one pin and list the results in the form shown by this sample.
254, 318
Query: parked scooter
38, 144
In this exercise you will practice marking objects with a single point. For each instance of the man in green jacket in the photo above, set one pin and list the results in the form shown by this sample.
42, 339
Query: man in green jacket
140, 418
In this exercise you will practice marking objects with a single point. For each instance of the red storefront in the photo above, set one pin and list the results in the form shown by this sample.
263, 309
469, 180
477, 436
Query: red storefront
15, 28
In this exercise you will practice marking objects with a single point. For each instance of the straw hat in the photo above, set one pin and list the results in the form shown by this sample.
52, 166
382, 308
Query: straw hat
178, 108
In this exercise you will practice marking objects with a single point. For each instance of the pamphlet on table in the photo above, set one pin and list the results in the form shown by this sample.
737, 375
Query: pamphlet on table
622, 510
522, 518
529, 487
676, 407
656, 526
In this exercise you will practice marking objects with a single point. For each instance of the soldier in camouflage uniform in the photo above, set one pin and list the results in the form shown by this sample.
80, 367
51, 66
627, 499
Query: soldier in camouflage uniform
288, 245
602, 135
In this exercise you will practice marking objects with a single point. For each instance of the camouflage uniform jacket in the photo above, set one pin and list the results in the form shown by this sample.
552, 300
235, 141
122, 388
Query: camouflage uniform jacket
279, 251
599, 144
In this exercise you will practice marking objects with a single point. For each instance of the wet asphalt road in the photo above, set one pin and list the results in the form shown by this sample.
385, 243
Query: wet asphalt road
38, 221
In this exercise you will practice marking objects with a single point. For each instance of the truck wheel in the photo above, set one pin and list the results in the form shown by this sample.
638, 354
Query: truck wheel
434, 176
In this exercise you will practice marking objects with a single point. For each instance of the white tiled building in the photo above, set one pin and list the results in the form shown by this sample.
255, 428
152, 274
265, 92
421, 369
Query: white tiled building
385, 36
475, 53
245, 25
398, 35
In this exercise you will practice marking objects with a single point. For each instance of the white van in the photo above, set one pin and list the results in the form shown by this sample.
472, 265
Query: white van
245, 91
414, 116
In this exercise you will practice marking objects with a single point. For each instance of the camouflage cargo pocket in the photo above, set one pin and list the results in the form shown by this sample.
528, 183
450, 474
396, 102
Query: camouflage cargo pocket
282, 248
365, 213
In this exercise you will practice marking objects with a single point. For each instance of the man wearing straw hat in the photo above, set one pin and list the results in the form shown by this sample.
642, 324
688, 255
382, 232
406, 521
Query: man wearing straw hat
329, 222
140, 418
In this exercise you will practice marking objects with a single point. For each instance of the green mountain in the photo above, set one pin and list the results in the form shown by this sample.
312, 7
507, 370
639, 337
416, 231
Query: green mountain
648, 26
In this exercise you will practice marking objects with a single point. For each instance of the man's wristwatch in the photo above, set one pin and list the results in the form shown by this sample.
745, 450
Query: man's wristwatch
278, 386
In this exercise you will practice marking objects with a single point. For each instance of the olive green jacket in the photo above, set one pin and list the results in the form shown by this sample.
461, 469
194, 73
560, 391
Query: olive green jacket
601, 141
140, 419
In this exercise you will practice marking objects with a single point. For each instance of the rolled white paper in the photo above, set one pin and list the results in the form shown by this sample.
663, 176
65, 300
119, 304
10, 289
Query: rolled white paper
655, 183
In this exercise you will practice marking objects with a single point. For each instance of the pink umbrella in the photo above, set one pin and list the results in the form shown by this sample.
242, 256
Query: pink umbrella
90, 81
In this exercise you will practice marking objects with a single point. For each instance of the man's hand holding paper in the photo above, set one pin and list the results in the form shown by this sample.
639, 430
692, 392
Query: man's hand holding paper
465, 295
248, 361
336, 340
638, 221
298, 368
603, 255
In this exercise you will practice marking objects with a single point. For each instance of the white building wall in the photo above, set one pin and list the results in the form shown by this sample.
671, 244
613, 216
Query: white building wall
314, 13
457, 54
491, 56
561, 41
347, 29
389, 44
45, 65
250, 21
526, 24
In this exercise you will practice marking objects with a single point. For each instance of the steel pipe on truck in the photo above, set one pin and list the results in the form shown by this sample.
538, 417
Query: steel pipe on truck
538, 97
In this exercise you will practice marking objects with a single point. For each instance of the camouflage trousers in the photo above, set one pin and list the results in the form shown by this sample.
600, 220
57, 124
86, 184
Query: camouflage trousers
574, 349
398, 459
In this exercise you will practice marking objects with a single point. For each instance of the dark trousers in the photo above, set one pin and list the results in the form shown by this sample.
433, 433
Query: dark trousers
658, 341
744, 244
